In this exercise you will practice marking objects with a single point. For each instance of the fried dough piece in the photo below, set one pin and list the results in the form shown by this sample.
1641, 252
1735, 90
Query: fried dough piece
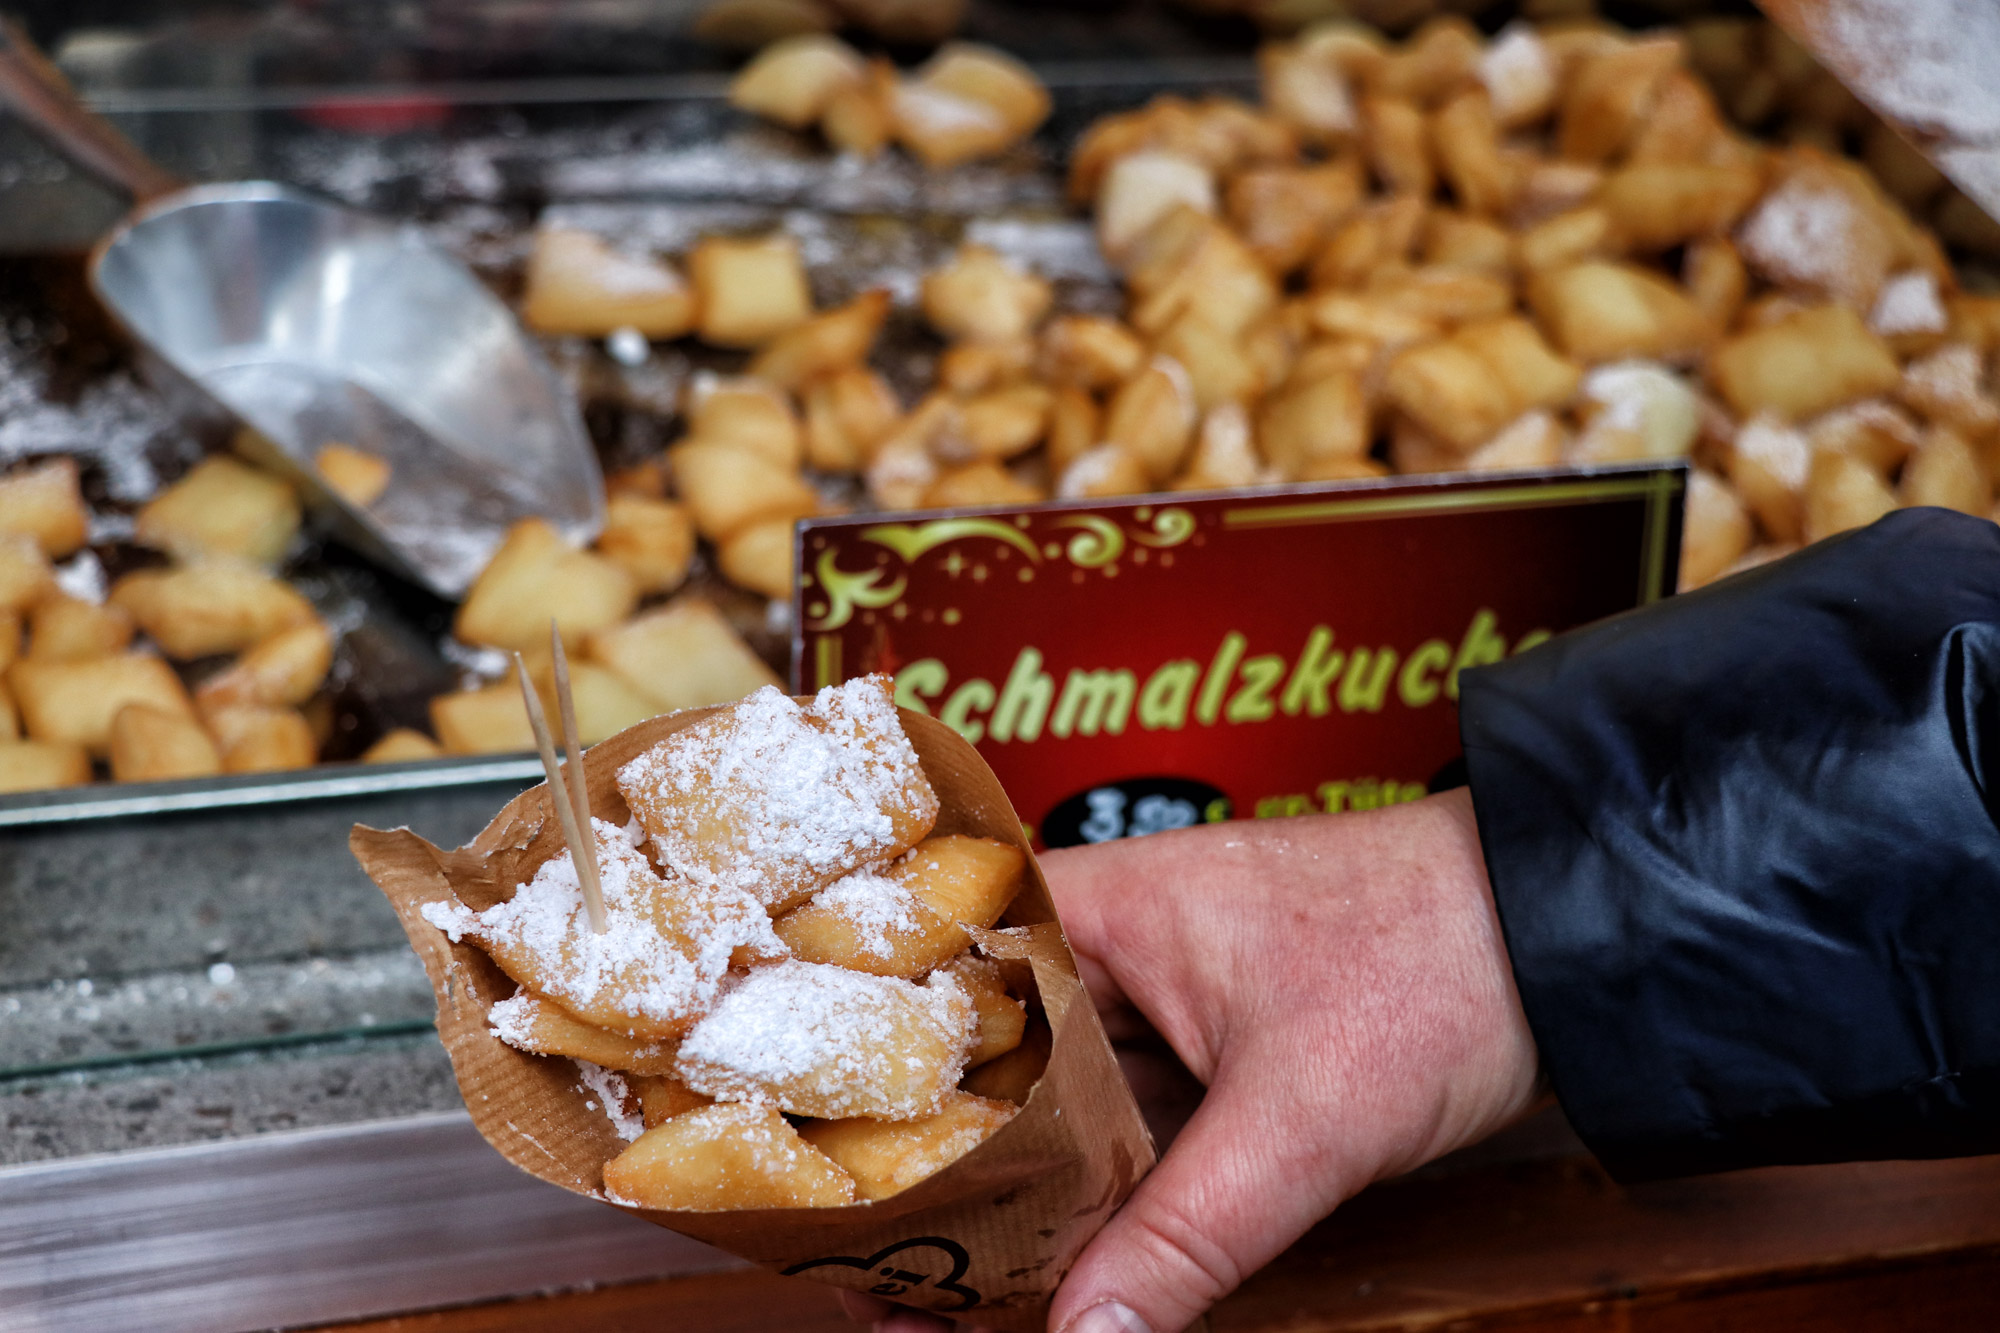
780, 801
152, 745
78, 701
720, 1158
886, 1158
1002, 1018
527, 1022
662, 1097
1014, 1075
223, 509
215, 606
824, 1041
651, 974
32, 765
903, 919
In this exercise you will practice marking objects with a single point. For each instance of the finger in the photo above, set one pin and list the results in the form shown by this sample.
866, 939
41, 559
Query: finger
1239, 1185
1083, 881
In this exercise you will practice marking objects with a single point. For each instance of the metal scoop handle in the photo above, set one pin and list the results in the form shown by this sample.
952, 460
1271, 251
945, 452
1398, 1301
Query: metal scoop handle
35, 90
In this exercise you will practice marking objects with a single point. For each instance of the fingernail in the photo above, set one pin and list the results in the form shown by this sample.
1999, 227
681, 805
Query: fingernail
1110, 1317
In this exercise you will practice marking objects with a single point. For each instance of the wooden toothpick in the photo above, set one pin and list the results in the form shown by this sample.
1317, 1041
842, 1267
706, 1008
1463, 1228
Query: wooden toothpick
582, 846
579, 789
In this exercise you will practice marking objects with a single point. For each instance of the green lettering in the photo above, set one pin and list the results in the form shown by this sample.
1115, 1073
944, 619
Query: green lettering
922, 679
1417, 685
1164, 702
975, 694
1479, 647
1094, 700
1363, 689
1319, 664
1253, 703
1534, 638
1024, 700
1220, 672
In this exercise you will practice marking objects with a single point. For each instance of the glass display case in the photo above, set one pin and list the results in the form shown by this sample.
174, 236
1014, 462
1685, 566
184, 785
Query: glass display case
206, 1009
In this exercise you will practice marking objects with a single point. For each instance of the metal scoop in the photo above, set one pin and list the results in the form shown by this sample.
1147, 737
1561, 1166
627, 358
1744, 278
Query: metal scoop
316, 324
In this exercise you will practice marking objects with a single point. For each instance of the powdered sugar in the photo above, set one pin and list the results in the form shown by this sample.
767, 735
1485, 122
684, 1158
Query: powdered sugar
82, 577
940, 112
1639, 405
1950, 377
875, 904
1520, 77
626, 275
512, 1019
115, 423
1932, 64
1776, 449
810, 793
614, 1095
658, 965
1820, 228
1872, 424
1908, 303
826, 1041
905, 466
578, 257
1091, 469
1797, 233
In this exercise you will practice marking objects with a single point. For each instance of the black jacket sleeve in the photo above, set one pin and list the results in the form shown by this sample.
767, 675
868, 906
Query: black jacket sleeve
1743, 845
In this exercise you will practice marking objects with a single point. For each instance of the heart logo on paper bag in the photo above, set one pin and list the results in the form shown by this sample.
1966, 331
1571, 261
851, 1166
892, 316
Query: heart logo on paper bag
901, 1269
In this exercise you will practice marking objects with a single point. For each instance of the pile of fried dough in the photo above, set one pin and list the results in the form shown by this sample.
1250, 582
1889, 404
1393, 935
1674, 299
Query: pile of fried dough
1455, 253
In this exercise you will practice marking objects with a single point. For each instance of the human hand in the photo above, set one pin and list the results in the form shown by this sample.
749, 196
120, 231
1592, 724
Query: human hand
1340, 984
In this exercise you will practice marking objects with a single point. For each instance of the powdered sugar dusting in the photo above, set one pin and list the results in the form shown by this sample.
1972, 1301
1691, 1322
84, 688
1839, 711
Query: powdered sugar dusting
809, 792
1518, 73
661, 959
512, 1020
1948, 377
624, 275
1798, 233
1776, 448
1870, 417
615, 1096
1641, 400
1908, 303
1932, 64
877, 905
910, 467
1091, 469
82, 577
938, 111
817, 1037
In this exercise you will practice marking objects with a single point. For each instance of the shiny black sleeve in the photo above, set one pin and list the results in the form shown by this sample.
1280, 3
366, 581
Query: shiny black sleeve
1743, 844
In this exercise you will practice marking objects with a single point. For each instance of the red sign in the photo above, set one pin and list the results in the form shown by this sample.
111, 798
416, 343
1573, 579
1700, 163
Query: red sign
1129, 666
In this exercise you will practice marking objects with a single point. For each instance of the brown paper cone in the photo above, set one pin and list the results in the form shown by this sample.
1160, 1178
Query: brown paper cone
988, 1237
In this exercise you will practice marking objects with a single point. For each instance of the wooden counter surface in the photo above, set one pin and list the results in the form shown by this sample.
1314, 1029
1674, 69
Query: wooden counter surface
1551, 1246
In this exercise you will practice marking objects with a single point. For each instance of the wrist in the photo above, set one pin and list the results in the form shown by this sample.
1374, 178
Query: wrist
1500, 1078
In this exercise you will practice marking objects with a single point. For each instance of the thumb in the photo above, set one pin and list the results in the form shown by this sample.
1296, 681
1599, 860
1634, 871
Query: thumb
1239, 1184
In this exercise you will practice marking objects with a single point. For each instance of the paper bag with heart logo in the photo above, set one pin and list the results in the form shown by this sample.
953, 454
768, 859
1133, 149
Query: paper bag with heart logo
988, 1237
